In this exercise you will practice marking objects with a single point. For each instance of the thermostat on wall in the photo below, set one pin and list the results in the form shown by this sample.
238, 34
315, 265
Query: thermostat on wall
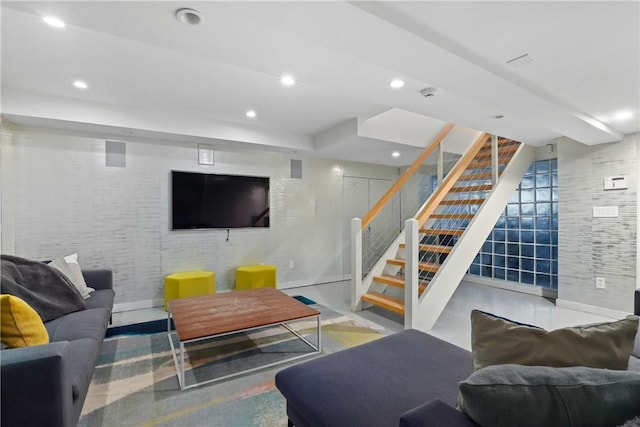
615, 182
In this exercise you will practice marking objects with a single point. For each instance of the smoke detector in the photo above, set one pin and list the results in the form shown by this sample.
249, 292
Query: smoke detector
189, 16
428, 92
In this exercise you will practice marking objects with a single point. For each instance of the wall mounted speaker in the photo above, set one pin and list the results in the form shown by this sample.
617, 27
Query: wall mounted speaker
115, 154
296, 168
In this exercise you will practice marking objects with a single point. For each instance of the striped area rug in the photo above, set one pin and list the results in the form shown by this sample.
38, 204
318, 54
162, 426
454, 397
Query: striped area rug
135, 382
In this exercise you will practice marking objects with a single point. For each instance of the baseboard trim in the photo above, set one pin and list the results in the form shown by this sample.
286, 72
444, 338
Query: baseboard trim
512, 286
137, 305
310, 282
601, 311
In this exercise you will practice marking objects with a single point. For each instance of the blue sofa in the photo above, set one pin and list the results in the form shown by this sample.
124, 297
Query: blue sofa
46, 385
407, 379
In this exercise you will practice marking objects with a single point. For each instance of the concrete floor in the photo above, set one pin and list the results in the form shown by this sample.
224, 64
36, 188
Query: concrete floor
452, 326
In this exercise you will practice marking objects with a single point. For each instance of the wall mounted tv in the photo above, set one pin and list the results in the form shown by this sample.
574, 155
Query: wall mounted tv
203, 200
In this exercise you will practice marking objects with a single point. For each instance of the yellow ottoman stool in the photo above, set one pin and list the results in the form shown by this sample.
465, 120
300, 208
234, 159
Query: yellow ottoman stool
188, 284
256, 276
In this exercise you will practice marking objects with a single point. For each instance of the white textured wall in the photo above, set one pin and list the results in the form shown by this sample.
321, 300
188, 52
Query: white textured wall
60, 198
590, 247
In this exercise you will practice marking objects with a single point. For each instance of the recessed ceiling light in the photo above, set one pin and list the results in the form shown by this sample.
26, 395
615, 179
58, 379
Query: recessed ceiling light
80, 84
497, 117
53, 21
623, 115
189, 16
251, 114
288, 80
396, 84
395, 154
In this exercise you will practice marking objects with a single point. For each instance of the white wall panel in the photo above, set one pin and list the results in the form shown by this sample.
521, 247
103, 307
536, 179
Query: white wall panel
597, 247
66, 200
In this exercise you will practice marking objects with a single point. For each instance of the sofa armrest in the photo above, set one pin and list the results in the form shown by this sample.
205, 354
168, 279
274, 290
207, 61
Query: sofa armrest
98, 278
435, 413
36, 386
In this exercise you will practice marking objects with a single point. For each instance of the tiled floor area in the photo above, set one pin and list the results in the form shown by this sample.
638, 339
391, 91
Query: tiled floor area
453, 326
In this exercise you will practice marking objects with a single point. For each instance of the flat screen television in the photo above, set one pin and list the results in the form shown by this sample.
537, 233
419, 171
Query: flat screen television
203, 200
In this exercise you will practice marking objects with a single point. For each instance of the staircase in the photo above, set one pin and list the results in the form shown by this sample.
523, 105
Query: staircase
442, 222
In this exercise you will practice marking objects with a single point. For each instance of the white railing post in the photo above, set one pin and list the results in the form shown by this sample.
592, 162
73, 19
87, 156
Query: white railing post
440, 164
411, 274
356, 264
495, 166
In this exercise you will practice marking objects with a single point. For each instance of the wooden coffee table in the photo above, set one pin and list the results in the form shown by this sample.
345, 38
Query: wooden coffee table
211, 316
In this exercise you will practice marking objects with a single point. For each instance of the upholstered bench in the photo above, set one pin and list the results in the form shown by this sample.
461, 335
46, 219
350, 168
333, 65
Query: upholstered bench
188, 284
256, 276
401, 379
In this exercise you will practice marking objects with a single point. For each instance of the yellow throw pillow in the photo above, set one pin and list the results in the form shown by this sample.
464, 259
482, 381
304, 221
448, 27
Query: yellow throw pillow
21, 325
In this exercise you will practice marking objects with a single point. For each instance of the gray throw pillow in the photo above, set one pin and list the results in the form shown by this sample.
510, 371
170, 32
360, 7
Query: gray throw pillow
498, 341
515, 395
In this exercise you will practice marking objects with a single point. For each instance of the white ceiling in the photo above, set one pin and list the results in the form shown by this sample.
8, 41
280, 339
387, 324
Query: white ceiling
151, 75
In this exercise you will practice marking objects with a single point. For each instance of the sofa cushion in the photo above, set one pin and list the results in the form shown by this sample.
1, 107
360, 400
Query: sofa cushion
346, 388
496, 340
102, 298
81, 324
515, 395
83, 355
20, 325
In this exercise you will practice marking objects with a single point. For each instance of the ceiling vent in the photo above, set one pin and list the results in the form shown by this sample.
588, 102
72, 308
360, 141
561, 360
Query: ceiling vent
189, 16
428, 92
521, 60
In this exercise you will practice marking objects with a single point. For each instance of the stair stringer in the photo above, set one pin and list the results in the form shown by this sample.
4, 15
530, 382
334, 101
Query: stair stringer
444, 283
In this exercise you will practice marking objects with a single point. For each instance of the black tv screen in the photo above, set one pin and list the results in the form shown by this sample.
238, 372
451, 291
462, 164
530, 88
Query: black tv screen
202, 200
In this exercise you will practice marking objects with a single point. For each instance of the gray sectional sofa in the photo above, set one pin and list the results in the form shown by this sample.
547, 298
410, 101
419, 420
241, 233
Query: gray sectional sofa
413, 379
46, 385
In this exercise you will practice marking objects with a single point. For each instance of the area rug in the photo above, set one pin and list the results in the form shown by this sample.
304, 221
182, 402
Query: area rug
135, 382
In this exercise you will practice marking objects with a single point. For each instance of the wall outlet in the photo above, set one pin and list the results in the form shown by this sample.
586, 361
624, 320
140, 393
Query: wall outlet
291, 263
600, 283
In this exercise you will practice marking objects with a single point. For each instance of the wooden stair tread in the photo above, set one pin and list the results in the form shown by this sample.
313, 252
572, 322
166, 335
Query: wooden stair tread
502, 143
397, 281
432, 248
451, 216
422, 265
462, 202
502, 150
473, 176
441, 232
390, 303
487, 163
471, 188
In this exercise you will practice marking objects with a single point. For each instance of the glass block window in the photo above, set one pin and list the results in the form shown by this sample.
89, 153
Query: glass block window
523, 246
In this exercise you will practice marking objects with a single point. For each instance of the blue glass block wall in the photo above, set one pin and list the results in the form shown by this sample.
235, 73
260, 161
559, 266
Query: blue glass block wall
523, 246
